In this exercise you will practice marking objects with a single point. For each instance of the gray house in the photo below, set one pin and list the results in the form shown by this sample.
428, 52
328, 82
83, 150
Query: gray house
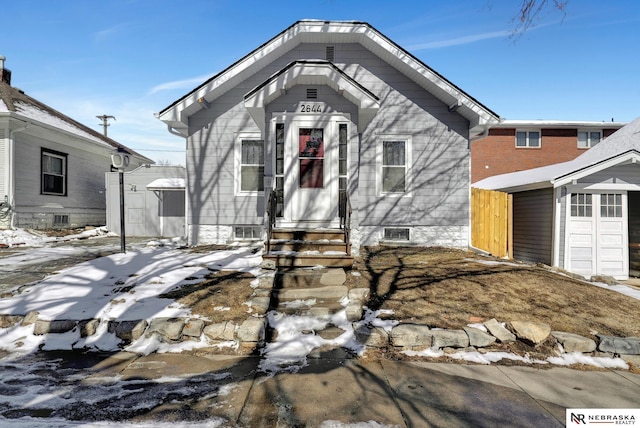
51, 166
582, 215
325, 116
154, 201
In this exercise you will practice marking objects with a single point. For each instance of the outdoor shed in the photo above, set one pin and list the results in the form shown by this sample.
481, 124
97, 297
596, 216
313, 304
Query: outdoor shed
154, 201
582, 215
340, 129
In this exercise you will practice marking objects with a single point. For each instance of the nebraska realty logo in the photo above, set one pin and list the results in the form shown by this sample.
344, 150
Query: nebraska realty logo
602, 417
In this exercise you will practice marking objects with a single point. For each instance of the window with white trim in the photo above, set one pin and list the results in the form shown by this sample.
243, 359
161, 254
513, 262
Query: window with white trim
581, 205
252, 165
588, 139
394, 166
611, 205
54, 173
527, 138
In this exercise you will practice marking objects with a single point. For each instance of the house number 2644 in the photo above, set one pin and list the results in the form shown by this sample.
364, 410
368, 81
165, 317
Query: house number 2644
311, 108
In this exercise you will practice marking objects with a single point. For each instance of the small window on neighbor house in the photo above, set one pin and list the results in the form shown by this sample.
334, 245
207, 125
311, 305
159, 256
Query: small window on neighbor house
394, 166
312, 93
252, 166
611, 205
330, 53
588, 139
396, 234
527, 138
248, 233
54, 173
581, 205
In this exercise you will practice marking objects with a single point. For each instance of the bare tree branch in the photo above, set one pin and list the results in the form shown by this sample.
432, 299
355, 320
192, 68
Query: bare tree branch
532, 10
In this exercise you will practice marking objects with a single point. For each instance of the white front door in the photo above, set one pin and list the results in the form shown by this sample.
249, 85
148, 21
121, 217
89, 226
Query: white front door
597, 234
311, 173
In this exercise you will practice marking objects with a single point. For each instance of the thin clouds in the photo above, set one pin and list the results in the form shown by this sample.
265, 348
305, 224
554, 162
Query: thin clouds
464, 40
179, 84
110, 32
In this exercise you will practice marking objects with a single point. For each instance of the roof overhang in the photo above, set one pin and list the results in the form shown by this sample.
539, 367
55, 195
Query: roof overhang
311, 73
480, 117
166, 184
631, 156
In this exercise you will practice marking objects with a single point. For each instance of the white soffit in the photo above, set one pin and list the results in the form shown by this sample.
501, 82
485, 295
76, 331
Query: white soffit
176, 115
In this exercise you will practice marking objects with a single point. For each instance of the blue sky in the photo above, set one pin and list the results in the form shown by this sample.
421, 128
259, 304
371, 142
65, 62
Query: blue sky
132, 58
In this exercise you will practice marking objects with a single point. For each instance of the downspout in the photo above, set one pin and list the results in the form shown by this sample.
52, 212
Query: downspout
186, 184
11, 176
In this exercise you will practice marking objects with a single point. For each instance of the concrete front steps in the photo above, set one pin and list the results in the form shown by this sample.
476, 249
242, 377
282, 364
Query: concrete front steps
316, 293
306, 248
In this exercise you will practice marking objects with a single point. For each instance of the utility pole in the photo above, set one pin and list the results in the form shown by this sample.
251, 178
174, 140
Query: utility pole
104, 119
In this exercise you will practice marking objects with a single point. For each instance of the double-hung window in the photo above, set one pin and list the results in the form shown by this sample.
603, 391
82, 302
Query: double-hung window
395, 163
54, 173
588, 139
527, 138
252, 165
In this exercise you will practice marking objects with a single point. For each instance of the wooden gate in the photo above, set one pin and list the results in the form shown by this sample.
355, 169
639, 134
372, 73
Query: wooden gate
491, 222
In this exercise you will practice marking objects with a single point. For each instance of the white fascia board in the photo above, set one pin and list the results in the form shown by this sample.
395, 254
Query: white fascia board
338, 32
296, 74
633, 157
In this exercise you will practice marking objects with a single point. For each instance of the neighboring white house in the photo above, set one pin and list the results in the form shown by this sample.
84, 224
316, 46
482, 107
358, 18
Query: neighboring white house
154, 201
51, 167
582, 215
324, 109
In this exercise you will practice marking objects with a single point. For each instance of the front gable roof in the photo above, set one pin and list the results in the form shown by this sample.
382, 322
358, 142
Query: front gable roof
310, 31
621, 147
311, 72
21, 106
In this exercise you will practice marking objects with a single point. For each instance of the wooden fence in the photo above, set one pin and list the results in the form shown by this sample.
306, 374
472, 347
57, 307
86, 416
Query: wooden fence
491, 222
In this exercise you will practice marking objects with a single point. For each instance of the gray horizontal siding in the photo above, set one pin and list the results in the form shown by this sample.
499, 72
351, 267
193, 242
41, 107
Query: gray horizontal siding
533, 226
440, 192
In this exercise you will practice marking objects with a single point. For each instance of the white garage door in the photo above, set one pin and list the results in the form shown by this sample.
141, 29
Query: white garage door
597, 238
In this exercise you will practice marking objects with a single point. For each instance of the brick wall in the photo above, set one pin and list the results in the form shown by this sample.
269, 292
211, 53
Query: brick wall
497, 153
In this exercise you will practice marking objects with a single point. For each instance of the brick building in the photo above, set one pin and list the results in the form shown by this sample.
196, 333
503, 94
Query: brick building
515, 145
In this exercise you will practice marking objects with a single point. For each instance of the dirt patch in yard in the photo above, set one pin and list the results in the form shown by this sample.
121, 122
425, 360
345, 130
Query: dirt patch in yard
447, 288
221, 296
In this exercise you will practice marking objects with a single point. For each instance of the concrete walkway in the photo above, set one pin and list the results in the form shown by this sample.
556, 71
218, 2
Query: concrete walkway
230, 390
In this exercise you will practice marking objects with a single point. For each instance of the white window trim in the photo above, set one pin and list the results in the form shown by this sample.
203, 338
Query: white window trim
238, 163
64, 175
528, 146
588, 131
380, 139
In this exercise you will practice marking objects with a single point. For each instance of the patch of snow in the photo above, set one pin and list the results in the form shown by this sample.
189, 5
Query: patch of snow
620, 288
479, 326
296, 304
121, 286
494, 262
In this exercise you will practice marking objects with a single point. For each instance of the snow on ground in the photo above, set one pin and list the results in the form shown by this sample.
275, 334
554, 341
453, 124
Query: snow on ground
123, 286
32, 238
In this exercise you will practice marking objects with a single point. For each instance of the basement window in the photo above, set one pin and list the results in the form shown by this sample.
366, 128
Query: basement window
396, 234
61, 220
248, 233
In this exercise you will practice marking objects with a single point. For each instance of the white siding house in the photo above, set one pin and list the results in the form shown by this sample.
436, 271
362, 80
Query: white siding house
323, 110
154, 201
591, 207
51, 167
